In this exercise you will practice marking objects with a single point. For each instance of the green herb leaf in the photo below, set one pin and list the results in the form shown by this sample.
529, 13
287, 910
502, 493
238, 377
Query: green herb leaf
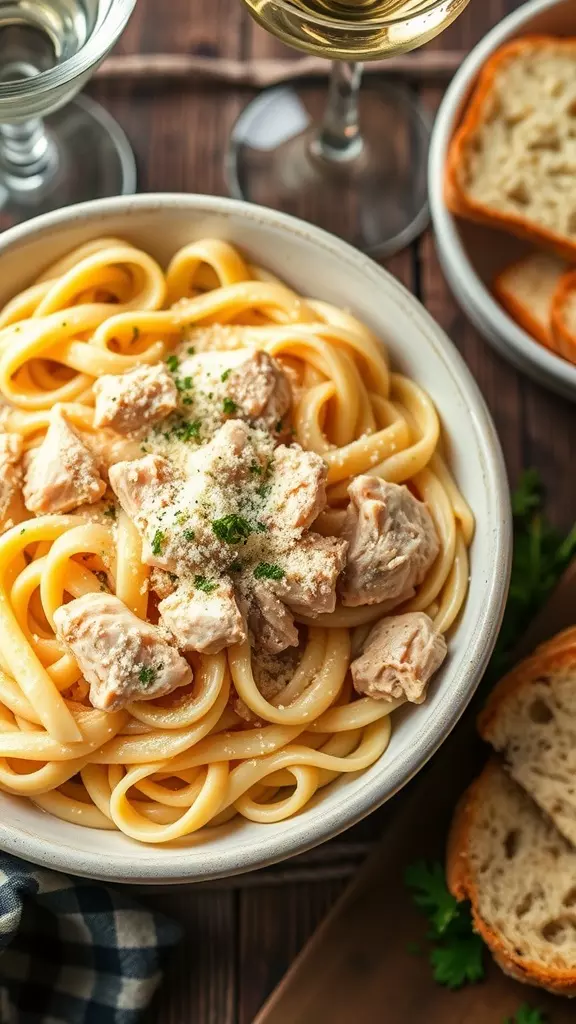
458, 961
264, 490
201, 583
147, 674
172, 362
265, 571
456, 954
229, 406
189, 535
157, 542
225, 375
527, 1015
255, 469
430, 893
191, 350
235, 567
232, 528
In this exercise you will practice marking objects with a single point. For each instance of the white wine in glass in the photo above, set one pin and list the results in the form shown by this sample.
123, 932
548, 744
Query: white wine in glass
359, 168
54, 149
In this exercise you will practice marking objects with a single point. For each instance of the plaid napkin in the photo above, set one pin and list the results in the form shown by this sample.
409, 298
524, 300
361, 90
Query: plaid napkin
74, 951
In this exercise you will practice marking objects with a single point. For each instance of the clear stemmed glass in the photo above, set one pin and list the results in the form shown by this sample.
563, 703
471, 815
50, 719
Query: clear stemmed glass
54, 152
359, 168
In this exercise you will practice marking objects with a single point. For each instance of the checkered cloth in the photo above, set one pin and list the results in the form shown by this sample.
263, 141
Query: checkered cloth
74, 951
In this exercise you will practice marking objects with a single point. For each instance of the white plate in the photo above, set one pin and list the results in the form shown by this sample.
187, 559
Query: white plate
471, 255
316, 264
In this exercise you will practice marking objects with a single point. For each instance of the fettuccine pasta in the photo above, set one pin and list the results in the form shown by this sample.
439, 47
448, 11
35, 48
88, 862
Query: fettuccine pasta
227, 742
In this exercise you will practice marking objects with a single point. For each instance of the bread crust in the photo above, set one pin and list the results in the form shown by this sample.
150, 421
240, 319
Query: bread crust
563, 339
462, 885
555, 655
518, 311
457, 201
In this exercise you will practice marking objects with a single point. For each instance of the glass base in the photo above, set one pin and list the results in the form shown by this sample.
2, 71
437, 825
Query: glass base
90, 157
377, 200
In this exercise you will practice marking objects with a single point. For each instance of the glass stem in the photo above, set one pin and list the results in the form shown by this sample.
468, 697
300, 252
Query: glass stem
26, 153
338, 138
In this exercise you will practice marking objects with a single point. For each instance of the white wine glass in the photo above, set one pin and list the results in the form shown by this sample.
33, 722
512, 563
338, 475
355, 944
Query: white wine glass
359, 167
55, 149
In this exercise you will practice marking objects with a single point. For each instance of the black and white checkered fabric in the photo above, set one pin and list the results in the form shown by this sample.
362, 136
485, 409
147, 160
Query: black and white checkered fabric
74, 951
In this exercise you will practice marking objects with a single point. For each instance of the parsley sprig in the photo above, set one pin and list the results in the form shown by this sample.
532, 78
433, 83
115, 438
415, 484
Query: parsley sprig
456, 955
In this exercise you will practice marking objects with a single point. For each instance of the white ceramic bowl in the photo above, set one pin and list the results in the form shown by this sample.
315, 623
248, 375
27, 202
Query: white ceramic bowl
472, 255
316, 264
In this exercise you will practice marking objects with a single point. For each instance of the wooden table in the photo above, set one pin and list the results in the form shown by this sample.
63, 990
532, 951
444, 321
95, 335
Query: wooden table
243, 935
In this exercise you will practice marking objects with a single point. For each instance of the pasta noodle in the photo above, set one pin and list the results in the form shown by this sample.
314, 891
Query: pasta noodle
161, 769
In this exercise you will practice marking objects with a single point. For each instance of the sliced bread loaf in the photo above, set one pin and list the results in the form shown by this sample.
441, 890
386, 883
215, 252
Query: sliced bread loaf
512, 162
530, 719
526, 288
519, 874
563, 317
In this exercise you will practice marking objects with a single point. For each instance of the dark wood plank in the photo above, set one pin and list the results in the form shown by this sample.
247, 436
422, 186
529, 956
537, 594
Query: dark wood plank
274, 925
200, 984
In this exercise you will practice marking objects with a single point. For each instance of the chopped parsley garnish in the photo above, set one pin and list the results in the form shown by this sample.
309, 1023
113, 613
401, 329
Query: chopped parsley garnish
235, 567
110, 511
229, 406
225, 375
201, 583
184, 384
191, 350
185, 431
172, 362
261, 527
265, 571
135, 333
233, 528
157, 542
148, 674
189, 535
255, 469
181, 517
264, 490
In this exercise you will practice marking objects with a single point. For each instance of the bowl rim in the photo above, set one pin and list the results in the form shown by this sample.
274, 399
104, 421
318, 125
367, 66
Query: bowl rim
270, 849
488, 316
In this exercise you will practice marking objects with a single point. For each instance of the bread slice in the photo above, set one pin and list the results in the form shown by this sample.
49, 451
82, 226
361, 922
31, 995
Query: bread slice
563, 316
511, 162
519, 874
530, 719
526, 287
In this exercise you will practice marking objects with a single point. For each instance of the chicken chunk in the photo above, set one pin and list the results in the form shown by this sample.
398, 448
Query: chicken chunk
108, 448
298, 490
392, 543
271, 623
146, 490
311, 569
121, 657
203, 619
130, 401
62, 473
400, 655
261, 390
10, 479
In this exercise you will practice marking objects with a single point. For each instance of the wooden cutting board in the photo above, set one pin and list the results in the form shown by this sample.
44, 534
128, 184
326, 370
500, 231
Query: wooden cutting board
358, 968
